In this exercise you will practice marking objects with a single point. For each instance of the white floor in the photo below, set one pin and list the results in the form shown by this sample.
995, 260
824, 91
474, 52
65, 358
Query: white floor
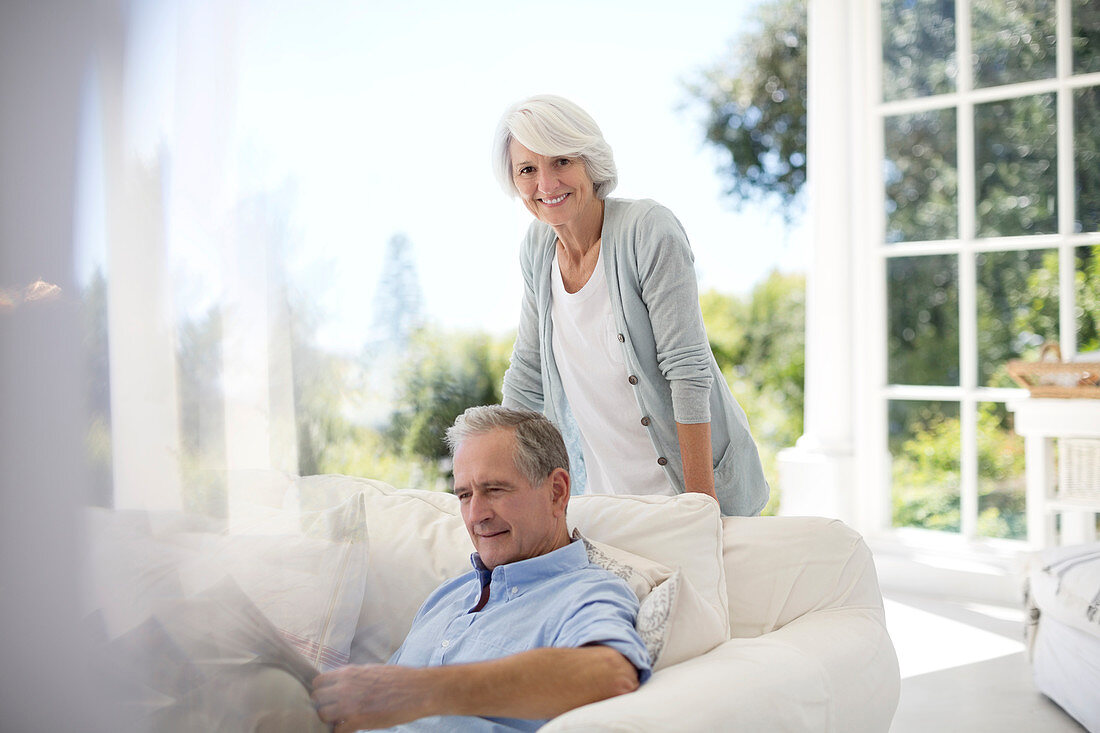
964, 668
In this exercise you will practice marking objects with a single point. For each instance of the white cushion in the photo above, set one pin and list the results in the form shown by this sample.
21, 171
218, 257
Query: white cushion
417, 540
683, 531
302, 571
307, 584
1064, 582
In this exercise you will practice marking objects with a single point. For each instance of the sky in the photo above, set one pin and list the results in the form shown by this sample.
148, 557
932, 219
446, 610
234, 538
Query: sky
377, 117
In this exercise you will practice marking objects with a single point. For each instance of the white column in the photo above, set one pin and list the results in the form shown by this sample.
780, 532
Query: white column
816, 476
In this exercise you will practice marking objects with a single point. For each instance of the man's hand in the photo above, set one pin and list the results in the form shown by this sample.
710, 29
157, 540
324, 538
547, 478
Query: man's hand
371, 696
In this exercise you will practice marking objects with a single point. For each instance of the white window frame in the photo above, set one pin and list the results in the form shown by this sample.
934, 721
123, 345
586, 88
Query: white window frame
872, 254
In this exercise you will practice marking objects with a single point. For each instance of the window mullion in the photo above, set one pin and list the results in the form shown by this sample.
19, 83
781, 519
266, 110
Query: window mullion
1067, 329
968, 321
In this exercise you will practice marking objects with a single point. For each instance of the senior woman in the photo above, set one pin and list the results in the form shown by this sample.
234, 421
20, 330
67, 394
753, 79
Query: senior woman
611, 344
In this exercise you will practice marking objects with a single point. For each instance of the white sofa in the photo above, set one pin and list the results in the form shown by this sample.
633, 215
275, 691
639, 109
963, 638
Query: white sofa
773, 624
807, 647
1062, 600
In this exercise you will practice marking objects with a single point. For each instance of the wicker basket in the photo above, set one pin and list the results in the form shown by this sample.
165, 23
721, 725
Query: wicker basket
1079, 469
1057, 378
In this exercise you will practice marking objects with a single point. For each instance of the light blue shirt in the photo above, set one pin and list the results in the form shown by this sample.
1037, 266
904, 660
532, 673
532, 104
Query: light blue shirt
555, 600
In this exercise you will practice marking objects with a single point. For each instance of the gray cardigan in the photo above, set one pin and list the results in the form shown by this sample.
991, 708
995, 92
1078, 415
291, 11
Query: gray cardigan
655, 301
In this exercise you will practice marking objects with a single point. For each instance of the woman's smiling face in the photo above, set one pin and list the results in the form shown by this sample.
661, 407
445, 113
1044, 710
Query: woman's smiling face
555, 189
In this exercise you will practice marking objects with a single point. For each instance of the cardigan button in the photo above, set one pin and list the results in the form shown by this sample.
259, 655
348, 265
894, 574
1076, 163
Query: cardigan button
632, 379
645, 421
662, 461
622, 339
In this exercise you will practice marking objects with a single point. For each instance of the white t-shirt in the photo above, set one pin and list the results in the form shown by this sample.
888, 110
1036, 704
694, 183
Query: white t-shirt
619, 456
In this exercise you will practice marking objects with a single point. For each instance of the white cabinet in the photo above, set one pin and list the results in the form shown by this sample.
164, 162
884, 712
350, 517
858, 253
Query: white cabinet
1040, 422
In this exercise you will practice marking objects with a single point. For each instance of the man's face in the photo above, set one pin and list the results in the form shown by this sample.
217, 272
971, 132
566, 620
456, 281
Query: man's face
508, 519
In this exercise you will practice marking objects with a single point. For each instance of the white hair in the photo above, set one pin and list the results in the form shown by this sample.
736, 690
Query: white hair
553, 126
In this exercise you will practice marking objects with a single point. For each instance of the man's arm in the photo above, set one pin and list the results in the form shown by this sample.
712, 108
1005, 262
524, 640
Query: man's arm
541, 683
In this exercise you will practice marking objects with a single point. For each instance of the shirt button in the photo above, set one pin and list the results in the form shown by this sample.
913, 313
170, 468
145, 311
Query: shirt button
445, 644
645, 421
662, 461
622, 339
514, 590
632, 379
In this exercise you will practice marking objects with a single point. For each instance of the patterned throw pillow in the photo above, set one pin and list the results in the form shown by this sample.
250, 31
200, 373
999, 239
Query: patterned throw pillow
674, 621
640, 573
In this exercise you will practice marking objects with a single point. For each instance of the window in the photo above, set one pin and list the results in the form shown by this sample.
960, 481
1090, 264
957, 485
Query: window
987, 244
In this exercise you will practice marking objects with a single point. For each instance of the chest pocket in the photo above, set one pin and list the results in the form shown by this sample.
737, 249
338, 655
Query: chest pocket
612, 345
493, 644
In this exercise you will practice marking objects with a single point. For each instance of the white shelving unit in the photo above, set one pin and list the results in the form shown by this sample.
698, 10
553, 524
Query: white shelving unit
1041, 422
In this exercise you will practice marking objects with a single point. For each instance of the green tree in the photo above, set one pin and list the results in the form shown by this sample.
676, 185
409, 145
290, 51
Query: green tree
754, 102
759, 343
323, 386
443, 375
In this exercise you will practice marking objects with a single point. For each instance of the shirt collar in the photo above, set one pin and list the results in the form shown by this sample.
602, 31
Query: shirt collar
517, 577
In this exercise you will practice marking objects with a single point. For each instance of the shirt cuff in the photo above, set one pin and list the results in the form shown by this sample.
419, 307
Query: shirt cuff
690, 403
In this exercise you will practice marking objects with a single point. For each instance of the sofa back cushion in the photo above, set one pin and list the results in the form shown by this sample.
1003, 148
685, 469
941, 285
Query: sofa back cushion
418, 540
780, 568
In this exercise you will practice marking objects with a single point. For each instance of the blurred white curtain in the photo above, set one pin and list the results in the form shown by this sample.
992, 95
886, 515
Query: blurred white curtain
183, 237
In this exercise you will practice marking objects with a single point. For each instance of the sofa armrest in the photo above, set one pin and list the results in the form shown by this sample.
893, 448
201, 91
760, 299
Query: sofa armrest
832, 670
780, 568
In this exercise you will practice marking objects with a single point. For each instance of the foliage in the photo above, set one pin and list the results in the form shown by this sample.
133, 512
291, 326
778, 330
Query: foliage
1087, 285
1017, 309
323, 385
759, 343
443, 375
918, 48
755, 105
363, 451
922, 342
1086, 143
926, 470
921, 176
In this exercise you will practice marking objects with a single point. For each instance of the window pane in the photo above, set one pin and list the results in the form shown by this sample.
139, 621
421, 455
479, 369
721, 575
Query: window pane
924, 450
1086, 36
1017, 309
922, 296
921, 175
1012, 40
1086, 134
1087, 283
918, 48
1016, 151
1001, 486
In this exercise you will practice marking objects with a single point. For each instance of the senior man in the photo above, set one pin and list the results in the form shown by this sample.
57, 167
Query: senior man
532, 631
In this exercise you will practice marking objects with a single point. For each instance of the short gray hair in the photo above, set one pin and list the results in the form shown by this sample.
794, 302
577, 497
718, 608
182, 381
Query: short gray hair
553, 126
539, 445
